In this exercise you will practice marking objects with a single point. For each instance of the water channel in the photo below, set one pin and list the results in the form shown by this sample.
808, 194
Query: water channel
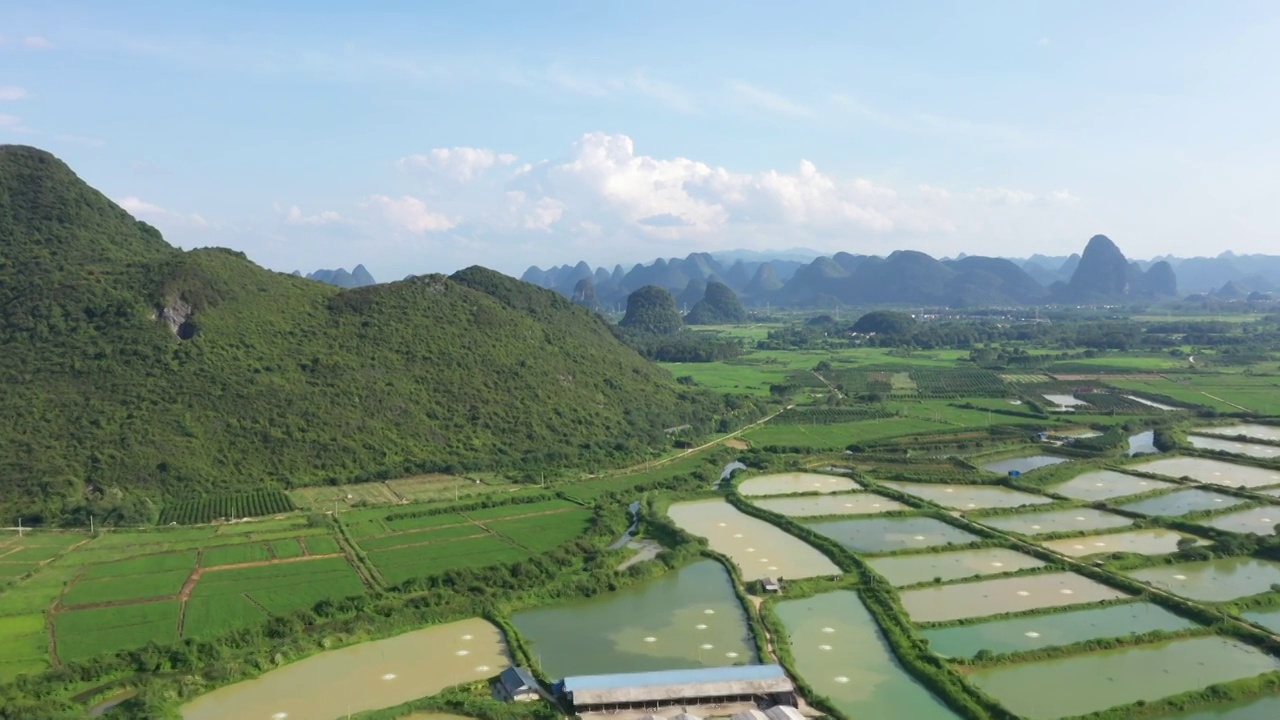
902, 570
1033, 632
1213, 580
1107, 484
363, 677
757, 547
1079, 684
1022, 464
968, 497
838, 649
1038, 523
886, 534
794, 483
943, 603
863, 503
686, 619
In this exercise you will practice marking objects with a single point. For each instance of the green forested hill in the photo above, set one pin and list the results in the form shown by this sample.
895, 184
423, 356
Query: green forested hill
280, 379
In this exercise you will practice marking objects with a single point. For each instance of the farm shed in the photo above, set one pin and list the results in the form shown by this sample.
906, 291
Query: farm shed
751, 714
518, 684
700, 686
783, 712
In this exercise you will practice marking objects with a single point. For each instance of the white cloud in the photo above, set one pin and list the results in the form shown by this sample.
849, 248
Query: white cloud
463, 164
1045, 41
1064, 196
36, 42
410, 214
665, 93
294, 216
770, 102
1001, 196
13, 123
140, 208
12, 92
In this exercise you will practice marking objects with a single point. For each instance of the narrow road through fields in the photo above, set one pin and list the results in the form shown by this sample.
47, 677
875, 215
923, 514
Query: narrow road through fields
828, 384
659, 463
1225, 402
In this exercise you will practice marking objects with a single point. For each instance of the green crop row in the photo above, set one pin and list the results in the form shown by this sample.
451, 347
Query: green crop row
215, 507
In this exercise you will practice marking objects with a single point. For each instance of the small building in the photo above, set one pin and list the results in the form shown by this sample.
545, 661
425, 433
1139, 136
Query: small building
759, 684
771, 585
783, 712
517, 684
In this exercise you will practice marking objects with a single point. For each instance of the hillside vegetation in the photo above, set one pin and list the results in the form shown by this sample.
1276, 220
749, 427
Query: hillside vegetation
135, 373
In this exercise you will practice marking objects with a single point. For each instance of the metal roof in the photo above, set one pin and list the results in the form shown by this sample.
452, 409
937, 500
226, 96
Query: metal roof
752, 714
518, 678
671, 685
783, 712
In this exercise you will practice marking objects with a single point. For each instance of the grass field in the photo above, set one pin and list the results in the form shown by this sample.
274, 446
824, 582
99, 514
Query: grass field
543, 532
418, 537
238, 597
399, 564
423, 522
24, 648
234, 554
1227, 393
418, 488
286, 548
322, 545
128, 587
85, 633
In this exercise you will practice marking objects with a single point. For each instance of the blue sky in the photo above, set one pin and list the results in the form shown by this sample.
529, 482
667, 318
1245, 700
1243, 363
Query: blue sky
427, 136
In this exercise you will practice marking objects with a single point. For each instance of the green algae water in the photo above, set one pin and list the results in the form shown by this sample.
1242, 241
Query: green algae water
686, 619
839, 651
1034, 632
1079, 684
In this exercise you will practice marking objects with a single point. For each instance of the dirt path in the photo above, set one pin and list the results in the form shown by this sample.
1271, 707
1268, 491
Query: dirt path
1225, 402
826, 382
54, 660
659, 463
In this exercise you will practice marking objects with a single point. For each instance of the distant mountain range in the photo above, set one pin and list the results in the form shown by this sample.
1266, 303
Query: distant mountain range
359, 277
1101, 273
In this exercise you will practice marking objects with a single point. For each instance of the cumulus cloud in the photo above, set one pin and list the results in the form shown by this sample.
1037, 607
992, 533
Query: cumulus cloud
140, 208
12, 92
605, 198
36, 42
295, 216
410, 214
463, 164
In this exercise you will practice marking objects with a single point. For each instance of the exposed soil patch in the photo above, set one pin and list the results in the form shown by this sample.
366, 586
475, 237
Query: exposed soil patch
645, 550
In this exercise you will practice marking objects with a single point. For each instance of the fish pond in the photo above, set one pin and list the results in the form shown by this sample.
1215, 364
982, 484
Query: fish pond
794, 483
1269, 618
1213, 580
1141, 542
1039, 523
968, 497
1182, 502
1213, 472
1033, 632
1107, 484
902, 570
944, 603
840, 652
1249, 430
1022, 464
757, 547
1263, 708
887, 534
1151, 403
686, 619
1205, 442
1259, 521
362, 677
1051, 689
863, 503
1143, 442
